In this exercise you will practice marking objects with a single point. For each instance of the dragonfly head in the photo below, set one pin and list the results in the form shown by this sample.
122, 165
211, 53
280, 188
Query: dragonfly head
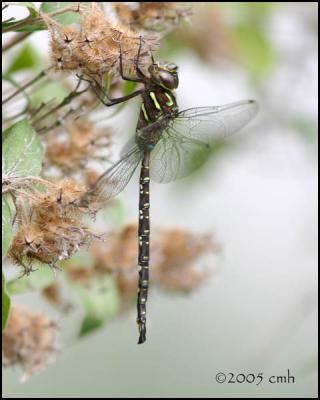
165, 74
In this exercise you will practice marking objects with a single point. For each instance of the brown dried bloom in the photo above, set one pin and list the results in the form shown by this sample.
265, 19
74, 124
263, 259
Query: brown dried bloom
90, 176
120, 255
181, 253
81, 143
53, 230
93, 48
152, 16
117, 256
59, 200
79, 274
212, 40
29, 340
48, 241
63, 44
176, 256
52, 293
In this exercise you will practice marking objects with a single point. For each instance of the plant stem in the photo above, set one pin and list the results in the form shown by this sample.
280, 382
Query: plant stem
16, 39
29, 21
22, 88
67, 100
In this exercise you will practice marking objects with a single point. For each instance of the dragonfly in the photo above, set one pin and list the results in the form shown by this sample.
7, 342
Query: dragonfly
164, 145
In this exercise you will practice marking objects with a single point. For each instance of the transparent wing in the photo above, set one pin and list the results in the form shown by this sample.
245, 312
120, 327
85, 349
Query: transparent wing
115, 179
128, 147
211, 123
173, 158
185, 144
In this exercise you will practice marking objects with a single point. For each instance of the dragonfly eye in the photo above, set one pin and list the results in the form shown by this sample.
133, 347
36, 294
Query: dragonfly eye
169, 79
171, 66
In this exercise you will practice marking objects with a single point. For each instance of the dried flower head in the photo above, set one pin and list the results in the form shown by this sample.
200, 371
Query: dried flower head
152, 16
80, 143
176, 256
120, 255
52, 293
79, 274
54, 230
93, 48
90, 176
59, 201
181, 253
48, 241
63, 44
29, 340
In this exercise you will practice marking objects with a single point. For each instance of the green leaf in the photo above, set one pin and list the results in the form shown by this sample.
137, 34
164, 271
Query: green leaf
81, 258
128, 87
36, 280
171, 45
31, 23
30, 6
7, 218
46, 92
5, 303
65, 18
249, 13
89, 324
198, 160
27, 58
254, 50
28, 24
21, 151
99, 300
33, 13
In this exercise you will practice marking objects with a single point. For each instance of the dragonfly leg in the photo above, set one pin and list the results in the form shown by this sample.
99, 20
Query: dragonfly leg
138, 69
126, 78
103, 96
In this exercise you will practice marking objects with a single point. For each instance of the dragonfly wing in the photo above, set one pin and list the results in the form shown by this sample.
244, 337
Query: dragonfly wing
115, 179
208, 124
128, 146
185, 144
173, 158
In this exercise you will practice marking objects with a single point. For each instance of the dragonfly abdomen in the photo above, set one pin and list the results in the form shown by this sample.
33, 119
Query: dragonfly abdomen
144, 238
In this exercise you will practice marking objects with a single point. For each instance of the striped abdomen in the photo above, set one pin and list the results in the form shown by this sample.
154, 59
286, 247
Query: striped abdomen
144, 237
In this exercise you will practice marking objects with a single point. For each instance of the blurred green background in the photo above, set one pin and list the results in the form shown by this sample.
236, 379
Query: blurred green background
257, 194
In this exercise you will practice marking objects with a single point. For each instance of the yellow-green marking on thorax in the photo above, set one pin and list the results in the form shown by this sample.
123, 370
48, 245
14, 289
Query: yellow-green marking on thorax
169, 103
145, 114
154, 99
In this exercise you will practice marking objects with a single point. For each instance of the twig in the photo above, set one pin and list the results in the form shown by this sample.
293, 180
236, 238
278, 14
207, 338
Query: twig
67, 100
22, 88
57, 123
42, 106
34, 20
16, 39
